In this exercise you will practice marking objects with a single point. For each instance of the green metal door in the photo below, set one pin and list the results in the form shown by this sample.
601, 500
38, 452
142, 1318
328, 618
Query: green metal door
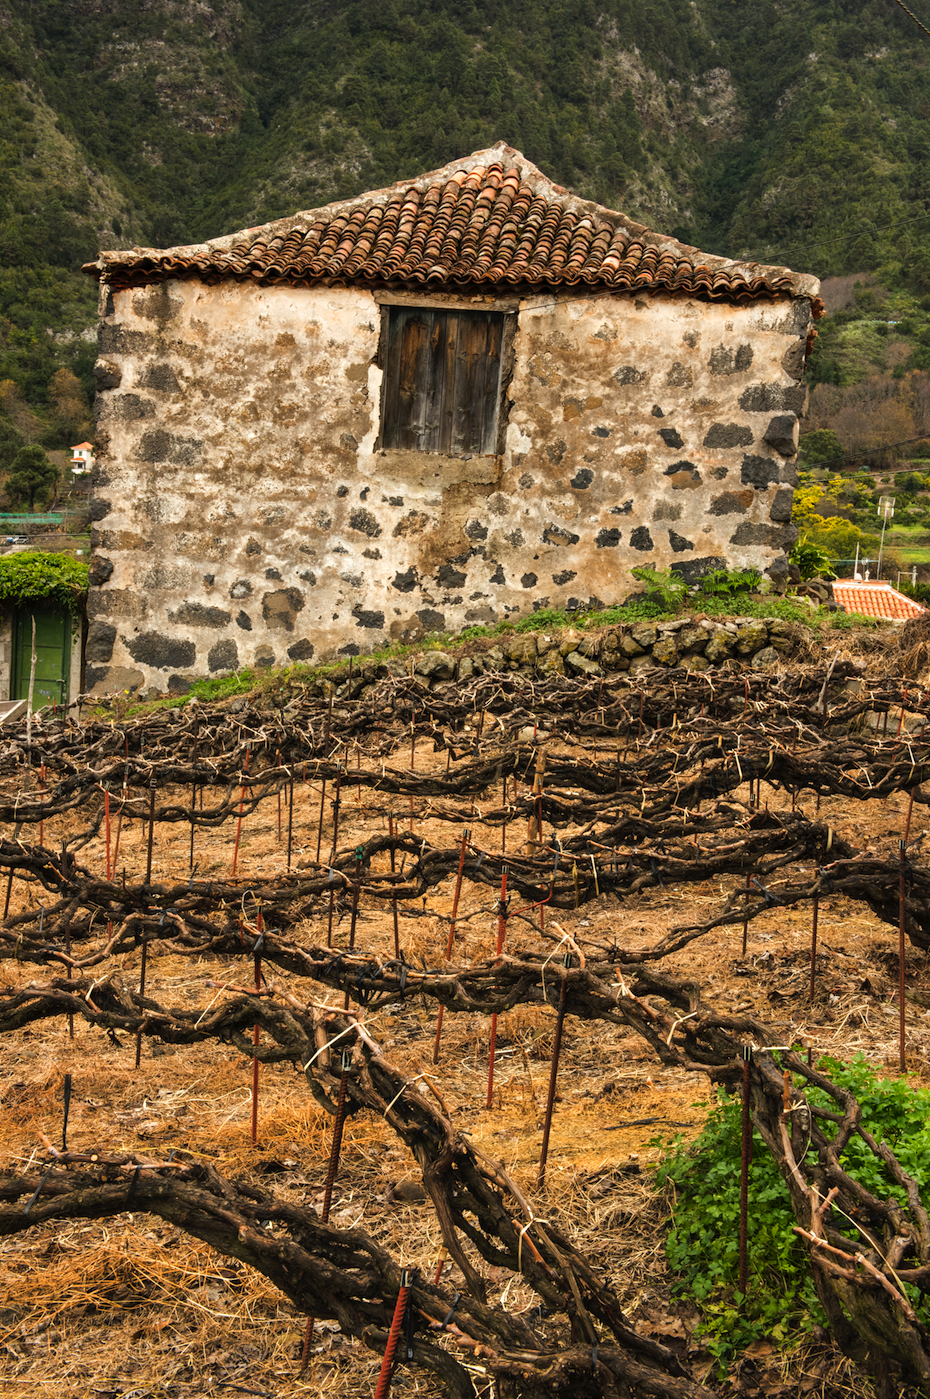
53, 655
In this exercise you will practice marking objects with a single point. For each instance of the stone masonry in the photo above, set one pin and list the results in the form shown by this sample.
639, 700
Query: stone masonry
244, 515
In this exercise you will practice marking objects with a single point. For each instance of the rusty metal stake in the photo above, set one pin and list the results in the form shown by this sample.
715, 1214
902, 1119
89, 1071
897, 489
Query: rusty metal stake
68, 950
67, 1109
319, 829
331, 1170
148, 859
394, 899
235, 861
501, 935
332, 856
142, 971
553, 1074
290, 815
256, 1032
332, 900
745, 1157
902, 859
193, 798
337, 807
815, 909
383, 1387
352, 922
451, 939
537, 799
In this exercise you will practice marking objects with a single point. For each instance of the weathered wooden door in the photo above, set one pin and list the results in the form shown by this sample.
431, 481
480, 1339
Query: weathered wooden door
53, 655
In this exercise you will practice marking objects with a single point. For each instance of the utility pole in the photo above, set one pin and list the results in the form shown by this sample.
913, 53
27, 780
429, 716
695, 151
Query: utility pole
885, 510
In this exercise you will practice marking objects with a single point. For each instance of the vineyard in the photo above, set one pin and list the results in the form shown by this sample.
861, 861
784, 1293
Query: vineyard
339, 1027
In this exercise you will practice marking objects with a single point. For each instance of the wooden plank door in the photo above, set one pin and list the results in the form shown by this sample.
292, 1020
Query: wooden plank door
53, 655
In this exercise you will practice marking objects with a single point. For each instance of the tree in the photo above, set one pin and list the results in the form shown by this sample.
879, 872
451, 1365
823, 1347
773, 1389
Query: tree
31, 474
70, 402
11, 440
820, 447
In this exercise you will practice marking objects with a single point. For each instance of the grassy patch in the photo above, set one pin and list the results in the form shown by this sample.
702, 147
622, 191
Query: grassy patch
781, 607
849, 621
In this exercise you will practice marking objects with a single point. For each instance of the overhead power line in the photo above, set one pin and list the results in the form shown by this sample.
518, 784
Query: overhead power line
843, 238
913, 17
848, 458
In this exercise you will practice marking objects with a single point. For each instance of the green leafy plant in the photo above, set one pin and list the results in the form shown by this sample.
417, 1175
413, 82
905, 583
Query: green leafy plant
920, 592
663, 584
55, 578
702, 1246
850, 621
640, 610
726, 582
786, 608
811, 560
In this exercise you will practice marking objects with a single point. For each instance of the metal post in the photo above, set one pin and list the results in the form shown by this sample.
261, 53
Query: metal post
745, 1155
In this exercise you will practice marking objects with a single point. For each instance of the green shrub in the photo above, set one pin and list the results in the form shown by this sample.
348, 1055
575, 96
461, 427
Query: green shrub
724, 582
32, 577
920, 592
702, 1247
812, 560
848, 621
543, 620
783, 607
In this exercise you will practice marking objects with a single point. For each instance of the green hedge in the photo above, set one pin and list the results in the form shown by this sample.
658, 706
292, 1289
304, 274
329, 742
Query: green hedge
33, 577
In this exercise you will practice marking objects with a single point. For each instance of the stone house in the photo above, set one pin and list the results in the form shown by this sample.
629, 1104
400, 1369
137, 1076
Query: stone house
439, 404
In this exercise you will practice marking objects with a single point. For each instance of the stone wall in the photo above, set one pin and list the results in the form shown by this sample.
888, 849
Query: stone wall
695, 643
245, 515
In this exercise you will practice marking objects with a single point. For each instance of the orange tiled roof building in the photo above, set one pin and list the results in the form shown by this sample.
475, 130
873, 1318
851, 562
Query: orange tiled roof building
872, 598
445, 402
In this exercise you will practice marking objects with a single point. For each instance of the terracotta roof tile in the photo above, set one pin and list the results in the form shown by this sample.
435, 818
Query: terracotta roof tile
491, 219
874, 599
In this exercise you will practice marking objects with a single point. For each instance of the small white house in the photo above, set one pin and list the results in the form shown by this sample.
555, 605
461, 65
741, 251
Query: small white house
82, 458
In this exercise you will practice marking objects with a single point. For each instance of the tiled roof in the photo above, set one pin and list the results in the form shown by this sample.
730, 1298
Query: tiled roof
488, 220
874, 599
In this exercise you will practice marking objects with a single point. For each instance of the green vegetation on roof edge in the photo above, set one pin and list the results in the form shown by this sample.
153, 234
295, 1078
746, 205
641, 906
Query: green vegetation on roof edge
58, 579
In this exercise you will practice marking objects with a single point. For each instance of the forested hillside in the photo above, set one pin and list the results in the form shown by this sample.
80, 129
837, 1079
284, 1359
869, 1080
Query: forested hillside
792, 132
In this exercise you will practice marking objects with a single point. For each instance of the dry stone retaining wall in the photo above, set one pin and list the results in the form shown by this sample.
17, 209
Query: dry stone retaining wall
699, 645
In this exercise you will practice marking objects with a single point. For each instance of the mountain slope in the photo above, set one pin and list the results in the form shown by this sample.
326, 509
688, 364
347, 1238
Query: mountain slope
790, 132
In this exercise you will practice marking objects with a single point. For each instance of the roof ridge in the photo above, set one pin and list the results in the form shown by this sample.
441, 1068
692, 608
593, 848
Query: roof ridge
489, 217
